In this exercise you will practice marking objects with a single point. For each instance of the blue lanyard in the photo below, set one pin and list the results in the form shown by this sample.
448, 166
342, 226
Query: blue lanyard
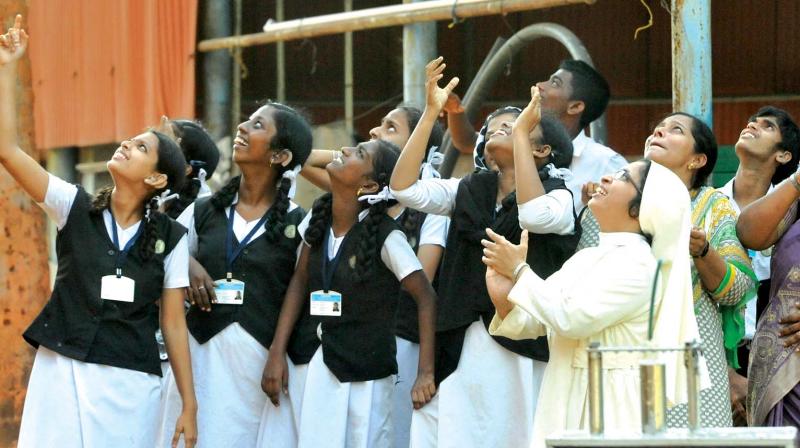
123, 254
327, 275
231, 253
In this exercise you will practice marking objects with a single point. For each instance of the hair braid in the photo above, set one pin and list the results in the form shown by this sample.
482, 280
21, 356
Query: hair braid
276, 220
102, 200
224, 197
368, 248
150, 235
186, 196
320, 220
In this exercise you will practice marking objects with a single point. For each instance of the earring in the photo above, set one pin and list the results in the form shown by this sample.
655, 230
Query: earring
360, 190
271, 163
691, 166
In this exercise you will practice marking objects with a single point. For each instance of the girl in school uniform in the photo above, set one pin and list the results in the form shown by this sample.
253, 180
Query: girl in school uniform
243, 241
483, 379
354, 256
427, 235
95, 378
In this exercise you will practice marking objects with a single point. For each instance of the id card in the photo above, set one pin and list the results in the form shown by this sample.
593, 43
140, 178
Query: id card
229, 292
117, 288
326, 303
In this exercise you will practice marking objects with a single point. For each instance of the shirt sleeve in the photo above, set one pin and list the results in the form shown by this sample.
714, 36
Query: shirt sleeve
517, 325
549, 213
186, 219
434, 230
578, 312
58, 200
176, 265
434, 196
398, 256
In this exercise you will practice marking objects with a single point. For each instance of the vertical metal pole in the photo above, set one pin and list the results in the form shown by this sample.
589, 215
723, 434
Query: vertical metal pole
236, 75
216, 70
692, 384
419, 47
691, 58
595, 389
280, 56
654, 396
348, 75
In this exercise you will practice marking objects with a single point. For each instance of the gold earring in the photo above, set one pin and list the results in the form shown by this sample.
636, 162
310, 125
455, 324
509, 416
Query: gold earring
691, 166
360, 190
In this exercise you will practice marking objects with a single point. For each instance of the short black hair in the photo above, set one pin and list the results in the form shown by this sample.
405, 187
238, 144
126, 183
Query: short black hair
790, 139
589, 86
555, 134
704, 143
413, 115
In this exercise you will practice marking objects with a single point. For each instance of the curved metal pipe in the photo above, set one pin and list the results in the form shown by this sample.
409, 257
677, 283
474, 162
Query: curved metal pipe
489, 73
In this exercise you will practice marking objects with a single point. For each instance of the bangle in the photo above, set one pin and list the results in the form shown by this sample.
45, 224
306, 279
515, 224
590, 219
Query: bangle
704, 252
519, 269
793, 181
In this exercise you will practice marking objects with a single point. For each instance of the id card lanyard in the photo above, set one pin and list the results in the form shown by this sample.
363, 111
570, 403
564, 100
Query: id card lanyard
329, 265
326, 302
116, 287
232, 253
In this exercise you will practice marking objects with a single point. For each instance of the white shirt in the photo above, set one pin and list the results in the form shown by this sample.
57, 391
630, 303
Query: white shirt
760, 260
590, 162
58, 202
241, 227
549, 213
396, 254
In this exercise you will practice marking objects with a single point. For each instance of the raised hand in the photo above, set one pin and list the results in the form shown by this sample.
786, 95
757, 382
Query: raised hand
531, 115
13, 43
436, 97
502, 255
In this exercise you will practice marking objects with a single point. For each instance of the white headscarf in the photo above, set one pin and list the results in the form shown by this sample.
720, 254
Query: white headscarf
665, 214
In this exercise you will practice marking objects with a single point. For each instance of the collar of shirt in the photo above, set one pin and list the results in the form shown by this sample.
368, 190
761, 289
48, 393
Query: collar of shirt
620, 239
727, 190
579, 143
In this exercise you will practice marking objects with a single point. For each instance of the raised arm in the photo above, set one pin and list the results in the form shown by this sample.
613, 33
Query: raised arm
762, 223
314, 169
528, 184
27, 171
406, 172
462, 133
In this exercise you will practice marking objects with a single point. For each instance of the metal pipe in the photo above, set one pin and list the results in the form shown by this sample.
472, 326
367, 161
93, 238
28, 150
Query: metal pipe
419, 47
280, 56
691, 58
380, 17
236, 76
691, 356
348, 76
595, 389
487, 77
216, 70
652, 379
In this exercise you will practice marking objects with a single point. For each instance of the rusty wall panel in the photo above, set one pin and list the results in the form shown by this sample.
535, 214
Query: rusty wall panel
787, 47
24, 272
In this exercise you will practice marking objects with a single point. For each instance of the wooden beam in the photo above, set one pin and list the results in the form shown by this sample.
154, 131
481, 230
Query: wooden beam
385, 16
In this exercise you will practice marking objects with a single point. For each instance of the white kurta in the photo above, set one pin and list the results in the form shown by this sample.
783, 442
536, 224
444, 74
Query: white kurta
610, 305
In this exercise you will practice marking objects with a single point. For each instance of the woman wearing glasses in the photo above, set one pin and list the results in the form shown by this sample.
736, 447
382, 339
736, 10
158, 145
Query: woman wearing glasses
643, 214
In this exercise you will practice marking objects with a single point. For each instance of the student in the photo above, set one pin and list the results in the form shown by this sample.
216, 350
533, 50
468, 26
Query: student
243, 241
470, 397
577, 95
202, 157
95, 378
426, 234
767, 150
357, 256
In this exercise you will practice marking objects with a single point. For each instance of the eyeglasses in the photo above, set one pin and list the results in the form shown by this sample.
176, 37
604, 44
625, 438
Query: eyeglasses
625, 176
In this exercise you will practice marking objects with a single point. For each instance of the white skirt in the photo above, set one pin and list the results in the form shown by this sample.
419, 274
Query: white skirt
227, 382
489, 400
77, 404
346, 415
402, 407
279, 425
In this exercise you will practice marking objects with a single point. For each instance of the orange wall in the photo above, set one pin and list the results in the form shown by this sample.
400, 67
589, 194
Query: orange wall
105, 70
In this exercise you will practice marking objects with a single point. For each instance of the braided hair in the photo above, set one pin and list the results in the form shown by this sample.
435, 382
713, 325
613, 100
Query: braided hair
171, 163
384, 158
200, 152
292, 133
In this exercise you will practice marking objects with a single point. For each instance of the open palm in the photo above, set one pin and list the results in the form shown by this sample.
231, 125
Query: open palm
436, 97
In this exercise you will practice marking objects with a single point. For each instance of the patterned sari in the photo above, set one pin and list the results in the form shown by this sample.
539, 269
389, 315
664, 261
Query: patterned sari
773, 392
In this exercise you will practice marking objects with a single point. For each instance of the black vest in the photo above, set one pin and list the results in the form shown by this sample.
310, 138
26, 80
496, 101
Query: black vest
265, 268
76, 322
359, 345
463, 297
407, 322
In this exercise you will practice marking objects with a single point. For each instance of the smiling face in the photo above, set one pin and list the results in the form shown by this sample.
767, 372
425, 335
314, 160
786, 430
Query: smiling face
394, 128
613, 196
499, 144
760, 138
254, 138
135, 159
353, 165
672, 145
